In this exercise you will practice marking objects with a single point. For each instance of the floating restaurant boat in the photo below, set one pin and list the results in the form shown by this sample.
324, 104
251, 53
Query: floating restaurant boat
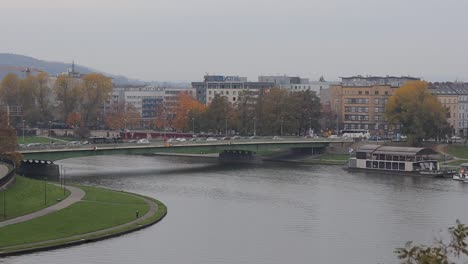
400, 160
462, 174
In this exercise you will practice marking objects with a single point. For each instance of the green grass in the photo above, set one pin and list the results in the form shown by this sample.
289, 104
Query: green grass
26, 196
99, 210
458, 151
31, 139
455, 162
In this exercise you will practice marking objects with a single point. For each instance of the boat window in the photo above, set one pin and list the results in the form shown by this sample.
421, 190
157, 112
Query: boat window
416, 166
375, 164
368, 164
401, 166
381, 165
402, 158
395, 166
388, 165
382, 157
360, 155
395, 158
375, 156
388, 157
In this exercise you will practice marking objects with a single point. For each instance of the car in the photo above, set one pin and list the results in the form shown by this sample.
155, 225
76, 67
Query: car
252, 137
455, 138
225, 138
172, 140
276, 138
236, 137
181, 139
211, 139
73, 143
143, 141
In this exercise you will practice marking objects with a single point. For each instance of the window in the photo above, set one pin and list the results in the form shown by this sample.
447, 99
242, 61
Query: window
360, 92
234, 99
376, 110
367, 92
376, 101
376, 92
386, 92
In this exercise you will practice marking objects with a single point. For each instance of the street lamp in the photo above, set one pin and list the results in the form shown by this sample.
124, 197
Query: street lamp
23, 130
4, 203
193, 127
310, 124
50, 134
225, 125
282, 119
45, 190
255, 129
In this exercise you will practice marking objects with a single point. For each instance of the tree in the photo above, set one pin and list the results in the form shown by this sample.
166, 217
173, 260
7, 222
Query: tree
417, 111
186, 108
43, 93
74, 120
9, 91
68, 92
246, 112
122, 116
96, 89
440, 252
219, 112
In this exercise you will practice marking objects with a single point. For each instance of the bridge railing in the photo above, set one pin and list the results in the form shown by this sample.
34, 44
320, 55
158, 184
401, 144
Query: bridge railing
11, 171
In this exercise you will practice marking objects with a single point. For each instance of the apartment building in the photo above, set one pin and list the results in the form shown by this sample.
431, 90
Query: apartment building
359, 102
297, 84
228, 86
449, 98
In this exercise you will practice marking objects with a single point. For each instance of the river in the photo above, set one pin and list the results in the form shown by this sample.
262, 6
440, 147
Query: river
269, 213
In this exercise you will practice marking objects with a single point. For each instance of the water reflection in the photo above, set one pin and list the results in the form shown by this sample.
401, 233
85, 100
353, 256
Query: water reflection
269, 213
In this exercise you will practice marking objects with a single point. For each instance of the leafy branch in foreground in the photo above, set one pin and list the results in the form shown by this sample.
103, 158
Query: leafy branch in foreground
438, 253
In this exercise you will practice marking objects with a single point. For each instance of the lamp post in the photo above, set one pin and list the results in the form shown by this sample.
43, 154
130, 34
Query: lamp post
23, 131
193, 127
50, 134
4, 203
45, 190
225, 125
310, 124
282, 120
255, 128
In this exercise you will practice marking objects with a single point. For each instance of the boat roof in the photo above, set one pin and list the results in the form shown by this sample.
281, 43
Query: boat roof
393, 150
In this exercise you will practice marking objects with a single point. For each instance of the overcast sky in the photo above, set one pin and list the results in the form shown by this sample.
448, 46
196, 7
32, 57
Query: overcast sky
184, 39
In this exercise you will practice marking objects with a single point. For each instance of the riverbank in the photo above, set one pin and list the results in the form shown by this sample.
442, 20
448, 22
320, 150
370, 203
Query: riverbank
99, 215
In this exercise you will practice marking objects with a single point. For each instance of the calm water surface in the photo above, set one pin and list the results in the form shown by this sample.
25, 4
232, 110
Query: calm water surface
270, 213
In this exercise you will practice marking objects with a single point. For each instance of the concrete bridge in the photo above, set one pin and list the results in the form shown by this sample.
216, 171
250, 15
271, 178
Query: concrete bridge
312, 146
39, 163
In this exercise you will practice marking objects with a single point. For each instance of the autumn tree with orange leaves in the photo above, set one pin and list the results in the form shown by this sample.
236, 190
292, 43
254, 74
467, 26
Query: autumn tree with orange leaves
186, 109
419, 112
74, 119
122, 116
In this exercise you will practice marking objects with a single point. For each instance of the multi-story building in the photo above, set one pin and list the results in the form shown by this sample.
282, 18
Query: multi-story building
359, 102
296, 84
454, 97
228, 86
448, 97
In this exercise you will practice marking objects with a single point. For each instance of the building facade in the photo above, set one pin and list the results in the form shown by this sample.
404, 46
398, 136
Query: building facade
359, 102
230, 87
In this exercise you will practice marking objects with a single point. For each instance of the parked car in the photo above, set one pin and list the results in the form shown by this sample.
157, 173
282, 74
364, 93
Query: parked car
181, 139
211, 139
276, 138
236, 137
143, 141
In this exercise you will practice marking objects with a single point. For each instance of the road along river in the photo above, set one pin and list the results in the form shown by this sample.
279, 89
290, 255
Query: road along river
268, 213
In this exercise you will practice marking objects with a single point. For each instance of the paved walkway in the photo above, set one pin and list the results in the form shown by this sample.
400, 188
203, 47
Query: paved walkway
3, 170
76, 195
103, 233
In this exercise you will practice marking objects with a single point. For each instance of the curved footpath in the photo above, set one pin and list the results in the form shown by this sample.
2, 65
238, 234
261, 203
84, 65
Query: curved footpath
3, 170
76, 194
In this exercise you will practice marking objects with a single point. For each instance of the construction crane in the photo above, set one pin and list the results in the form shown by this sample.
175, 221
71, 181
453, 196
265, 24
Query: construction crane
16, 69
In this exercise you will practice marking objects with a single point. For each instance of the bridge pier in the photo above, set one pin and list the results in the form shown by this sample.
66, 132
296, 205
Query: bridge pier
238, 156
39, 169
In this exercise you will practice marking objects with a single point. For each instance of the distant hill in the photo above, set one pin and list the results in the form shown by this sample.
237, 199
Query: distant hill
13, 63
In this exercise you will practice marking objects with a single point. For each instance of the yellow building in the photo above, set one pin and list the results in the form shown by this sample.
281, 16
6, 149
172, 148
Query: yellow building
359, 102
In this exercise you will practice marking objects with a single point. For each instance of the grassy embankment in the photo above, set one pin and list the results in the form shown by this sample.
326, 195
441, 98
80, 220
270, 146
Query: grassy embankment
42, 140
27, 196
100, 209
459, 152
